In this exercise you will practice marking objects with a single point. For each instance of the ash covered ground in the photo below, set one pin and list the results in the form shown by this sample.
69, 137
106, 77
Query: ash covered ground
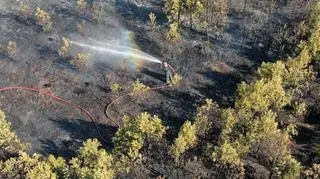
209, 71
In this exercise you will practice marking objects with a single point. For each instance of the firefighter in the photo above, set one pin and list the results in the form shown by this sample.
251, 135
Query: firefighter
168, 71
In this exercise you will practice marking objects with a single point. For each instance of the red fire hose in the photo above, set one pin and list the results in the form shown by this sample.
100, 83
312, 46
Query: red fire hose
59, 99
122, 96
106, 111
76, 106
174, 72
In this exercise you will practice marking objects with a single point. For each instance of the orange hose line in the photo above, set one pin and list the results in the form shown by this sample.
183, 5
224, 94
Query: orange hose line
59, 99
106, 111
66, 102
122, 96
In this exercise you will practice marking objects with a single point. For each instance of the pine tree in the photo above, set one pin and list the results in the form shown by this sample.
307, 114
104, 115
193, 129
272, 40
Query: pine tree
298, 71
43, 19
153, 21
81, 60
186, 139
92, 162
173, 33
270, 141
65, 46
130, 138
194, 8
40, 171
58, 165
272, 70
26, 166
139, 89
312, 172
24, 9
173, 10
229, 120
262, 95
82, 5
216, 12
227, 155
204, 120
314, 23
10, 145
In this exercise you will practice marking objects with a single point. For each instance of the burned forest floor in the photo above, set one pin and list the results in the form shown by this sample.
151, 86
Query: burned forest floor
211, 66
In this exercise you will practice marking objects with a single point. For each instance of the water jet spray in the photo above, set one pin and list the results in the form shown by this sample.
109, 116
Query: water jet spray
118, 50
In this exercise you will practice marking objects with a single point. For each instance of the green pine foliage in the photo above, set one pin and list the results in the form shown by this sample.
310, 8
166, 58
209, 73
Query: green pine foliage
65, 46
220, 11
81, 60
58, 165
252, 127
271, 70
203, 120
227, 154
314, 23
296, 71
312, 172
139, 89
299, 70
262, 138
152, 21
115, 88
273, 145
44, 19
300, 109
173, 9
91, 162
211, 15
9, 143
187, 138
130, 138
229, 119
173, 33
262, 95
25, 166
194, 8
40, 171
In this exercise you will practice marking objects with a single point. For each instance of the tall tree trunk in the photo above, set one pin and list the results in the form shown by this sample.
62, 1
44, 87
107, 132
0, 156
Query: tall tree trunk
190, 20
192, 9
211, 17
179, 12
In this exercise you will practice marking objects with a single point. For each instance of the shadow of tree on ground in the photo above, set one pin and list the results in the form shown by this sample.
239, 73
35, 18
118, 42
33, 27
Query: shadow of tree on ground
79, 131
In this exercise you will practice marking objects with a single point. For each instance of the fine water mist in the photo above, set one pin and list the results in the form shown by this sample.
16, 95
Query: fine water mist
124, 48
118, 50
